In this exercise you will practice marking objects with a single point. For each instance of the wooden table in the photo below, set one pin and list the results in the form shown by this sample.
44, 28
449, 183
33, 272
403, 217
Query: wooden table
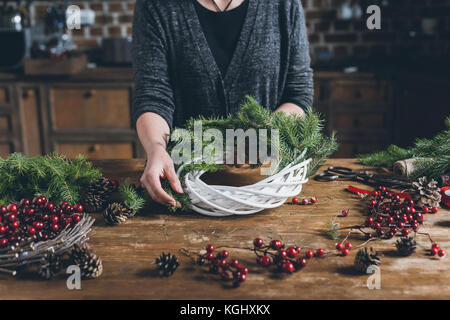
128, 250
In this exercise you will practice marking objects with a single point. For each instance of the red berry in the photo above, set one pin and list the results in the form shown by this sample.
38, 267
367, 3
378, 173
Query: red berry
434, 210
380, 232
242, 277
434, 251
63, 203
3, 210
31, 231
3, 242
209, 248
292, 252
394, 230
345, 252
369, 221
309, 254
383, 189
12, 208
405, 232
282, 254
224, 254
320, 252
435, 245
301, 262
288, 267
50, 206
209, 256
401, 225
295, 200
244, 270
234, 263
345, 213
15, 224
276, 244
55, 227
77, 218
3, 229
377, 225
264, 261
305, 201
79, 208
348, 246
390, 220
12, 217
372, 203
258, 242
426, 209
54, 219
25, 202
441, 253
375, 193
43, 199
313, 200
29, 211
413, 210
222, 263
339, 246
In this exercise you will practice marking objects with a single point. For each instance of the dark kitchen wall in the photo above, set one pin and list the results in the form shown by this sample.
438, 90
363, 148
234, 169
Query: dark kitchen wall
409, 27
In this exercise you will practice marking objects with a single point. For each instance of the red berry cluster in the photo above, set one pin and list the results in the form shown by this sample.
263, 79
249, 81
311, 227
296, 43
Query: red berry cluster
389, 214
229, 270
287, 260
38, 219
305, 201
344, 249
436, 250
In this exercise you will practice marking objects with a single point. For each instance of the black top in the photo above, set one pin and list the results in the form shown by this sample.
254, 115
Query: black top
222, 31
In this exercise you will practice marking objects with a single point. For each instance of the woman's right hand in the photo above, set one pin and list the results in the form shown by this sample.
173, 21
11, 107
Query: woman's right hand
160, 166
153, 131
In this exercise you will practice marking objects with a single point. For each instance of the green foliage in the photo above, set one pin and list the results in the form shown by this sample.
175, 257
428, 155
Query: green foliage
332, 232
52, 175
433, 155
131, 197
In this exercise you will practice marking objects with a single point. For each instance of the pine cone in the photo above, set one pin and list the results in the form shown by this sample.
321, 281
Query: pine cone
117, 213
425, 193
365, 258
98, 193
406, 246
167, 264
50, 266
90, 264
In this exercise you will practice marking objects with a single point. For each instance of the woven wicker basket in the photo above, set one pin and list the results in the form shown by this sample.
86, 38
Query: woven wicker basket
221, 201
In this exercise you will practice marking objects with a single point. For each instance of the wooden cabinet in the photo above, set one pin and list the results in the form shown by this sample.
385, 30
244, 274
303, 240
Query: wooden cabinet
358, 107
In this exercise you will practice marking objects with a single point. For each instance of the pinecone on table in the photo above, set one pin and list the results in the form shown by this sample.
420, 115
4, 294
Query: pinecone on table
90, 264
366, 258
98, 193
425, 192
167, 264
406, 246
117, 213
50, 266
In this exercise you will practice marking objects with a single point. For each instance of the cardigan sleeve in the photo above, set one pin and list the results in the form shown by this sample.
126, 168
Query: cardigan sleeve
299, 88
153, 91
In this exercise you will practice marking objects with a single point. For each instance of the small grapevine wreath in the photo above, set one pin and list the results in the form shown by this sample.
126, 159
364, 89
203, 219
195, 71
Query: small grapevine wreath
302, 150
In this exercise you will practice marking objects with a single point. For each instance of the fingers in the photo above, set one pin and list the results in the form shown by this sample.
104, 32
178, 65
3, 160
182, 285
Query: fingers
152, 183
173, 179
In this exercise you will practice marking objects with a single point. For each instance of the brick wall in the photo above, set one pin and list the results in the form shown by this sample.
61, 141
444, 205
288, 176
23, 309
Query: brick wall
329, 37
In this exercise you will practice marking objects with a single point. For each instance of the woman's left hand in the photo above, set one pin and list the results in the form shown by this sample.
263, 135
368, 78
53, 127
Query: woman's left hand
290, 108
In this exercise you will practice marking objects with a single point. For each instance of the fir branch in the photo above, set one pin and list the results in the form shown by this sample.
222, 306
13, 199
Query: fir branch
131, 198
332, 232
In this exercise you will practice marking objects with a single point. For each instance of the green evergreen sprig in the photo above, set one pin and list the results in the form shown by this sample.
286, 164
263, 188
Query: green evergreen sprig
131, 197
433, 155
52, 175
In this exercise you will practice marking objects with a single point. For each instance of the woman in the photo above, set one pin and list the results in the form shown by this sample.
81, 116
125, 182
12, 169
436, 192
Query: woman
201, 57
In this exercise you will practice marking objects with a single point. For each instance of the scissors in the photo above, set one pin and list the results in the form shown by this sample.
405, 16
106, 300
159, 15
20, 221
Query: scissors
343, 173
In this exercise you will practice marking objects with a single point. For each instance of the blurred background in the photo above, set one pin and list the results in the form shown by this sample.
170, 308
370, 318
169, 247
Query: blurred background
70, 90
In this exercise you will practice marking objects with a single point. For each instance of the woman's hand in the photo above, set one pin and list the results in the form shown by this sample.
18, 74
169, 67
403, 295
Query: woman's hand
153, 132
290, 108
160, 166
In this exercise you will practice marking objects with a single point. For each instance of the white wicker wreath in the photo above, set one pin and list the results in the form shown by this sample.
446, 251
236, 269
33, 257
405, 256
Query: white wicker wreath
221, 201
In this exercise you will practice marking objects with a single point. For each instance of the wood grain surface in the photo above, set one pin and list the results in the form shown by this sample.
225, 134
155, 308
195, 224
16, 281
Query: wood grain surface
128, 251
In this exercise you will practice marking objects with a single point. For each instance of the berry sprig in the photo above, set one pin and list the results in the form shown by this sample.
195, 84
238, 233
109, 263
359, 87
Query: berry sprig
305, 201
36, 219
389, 215
229, 270
286, 259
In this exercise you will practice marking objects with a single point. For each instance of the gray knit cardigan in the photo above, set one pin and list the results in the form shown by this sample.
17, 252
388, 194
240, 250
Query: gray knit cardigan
176, 76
